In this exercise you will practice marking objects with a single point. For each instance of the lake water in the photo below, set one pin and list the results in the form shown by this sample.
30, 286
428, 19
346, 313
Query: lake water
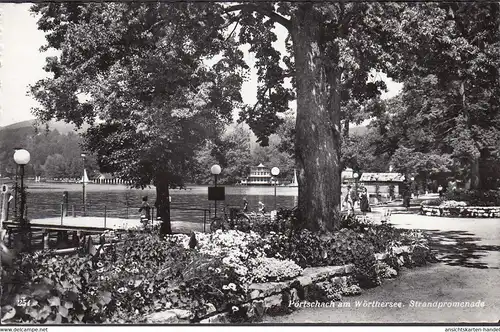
44, 200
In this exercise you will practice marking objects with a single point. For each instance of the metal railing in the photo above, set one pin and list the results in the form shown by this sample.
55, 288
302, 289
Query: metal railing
65, 211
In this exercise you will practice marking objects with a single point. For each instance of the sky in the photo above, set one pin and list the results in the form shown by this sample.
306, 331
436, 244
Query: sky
21, 63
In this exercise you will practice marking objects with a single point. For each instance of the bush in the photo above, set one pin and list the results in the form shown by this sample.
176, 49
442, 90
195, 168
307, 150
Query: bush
475, 197
354, 223
356, 242
307, 249
351, 247
286, 220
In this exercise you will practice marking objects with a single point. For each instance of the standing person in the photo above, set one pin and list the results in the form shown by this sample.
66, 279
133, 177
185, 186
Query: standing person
245, 205
262, 208
65, 203
147, 210
440, 191
364, 205
406, 195
349, 201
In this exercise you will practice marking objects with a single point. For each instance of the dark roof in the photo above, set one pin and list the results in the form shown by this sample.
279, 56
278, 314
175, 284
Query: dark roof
381, 177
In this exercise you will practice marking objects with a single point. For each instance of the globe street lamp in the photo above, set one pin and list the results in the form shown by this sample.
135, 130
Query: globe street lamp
22, 157
275, 171
83, 184
215, 170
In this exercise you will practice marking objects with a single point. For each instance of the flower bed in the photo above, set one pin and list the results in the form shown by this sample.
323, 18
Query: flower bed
323, 283
196, 277
143, 275
464, 203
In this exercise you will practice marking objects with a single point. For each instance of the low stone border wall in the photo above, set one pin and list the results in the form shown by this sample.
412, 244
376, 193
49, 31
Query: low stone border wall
461, 211
262, 298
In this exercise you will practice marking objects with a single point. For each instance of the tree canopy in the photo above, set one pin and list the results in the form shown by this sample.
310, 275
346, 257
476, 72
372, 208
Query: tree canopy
136, 72
152, 100
447, 118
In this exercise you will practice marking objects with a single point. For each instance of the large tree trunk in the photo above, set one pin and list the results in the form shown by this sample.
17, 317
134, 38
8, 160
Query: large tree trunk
317, 127
163, 204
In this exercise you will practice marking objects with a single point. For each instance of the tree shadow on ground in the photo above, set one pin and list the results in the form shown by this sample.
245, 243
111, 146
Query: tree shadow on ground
460, 248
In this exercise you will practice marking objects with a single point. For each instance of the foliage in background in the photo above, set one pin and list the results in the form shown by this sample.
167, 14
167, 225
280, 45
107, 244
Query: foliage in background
236, 151
53, 154
447, 119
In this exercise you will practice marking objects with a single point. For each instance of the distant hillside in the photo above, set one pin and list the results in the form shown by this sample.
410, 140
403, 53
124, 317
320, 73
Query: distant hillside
60, 126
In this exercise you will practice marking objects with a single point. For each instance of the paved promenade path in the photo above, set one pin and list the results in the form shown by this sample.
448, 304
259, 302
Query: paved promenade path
469, 270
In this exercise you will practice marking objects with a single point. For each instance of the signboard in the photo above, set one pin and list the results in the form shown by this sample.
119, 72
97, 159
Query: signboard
5, 188
216, 193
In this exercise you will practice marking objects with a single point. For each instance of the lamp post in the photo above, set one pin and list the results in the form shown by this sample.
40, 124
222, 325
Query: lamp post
215, 170
275, 171
16, 188
83, 184
356, 176
22, 157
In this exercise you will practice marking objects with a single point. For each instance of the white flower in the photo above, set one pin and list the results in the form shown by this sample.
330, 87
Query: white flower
122, 289
235, 308
232, 286
225, 287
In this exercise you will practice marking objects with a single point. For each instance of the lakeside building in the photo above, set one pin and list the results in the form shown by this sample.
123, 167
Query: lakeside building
106, 178
259, 175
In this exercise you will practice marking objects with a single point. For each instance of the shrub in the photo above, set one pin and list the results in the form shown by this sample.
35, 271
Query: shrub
324, 292
272, 269
386, 271
452, 204
351, 247
475, 197
355, 223
285, 221
307, 249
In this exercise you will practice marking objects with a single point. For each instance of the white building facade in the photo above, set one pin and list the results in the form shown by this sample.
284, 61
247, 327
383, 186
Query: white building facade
259, 175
